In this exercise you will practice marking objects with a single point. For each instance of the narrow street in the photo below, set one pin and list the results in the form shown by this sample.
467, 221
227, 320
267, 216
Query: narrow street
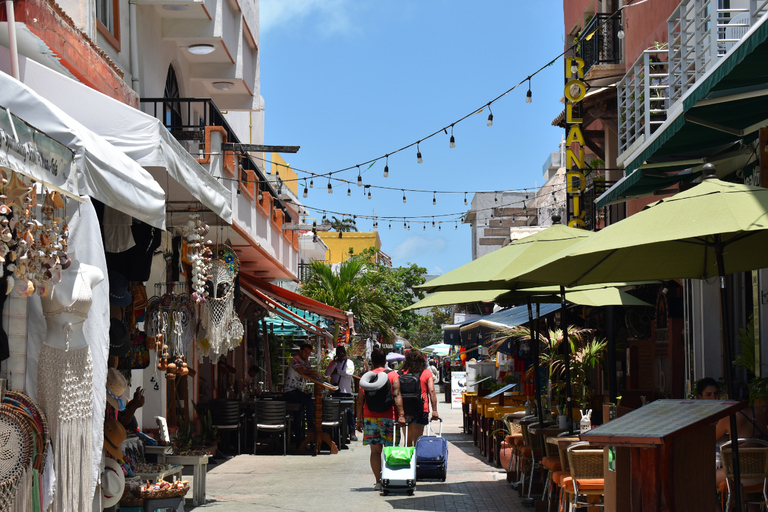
345, 481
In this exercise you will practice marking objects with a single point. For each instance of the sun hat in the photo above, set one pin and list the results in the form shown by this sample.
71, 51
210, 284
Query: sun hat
114, 435
112, 483
119, 338
116, 386
119, 290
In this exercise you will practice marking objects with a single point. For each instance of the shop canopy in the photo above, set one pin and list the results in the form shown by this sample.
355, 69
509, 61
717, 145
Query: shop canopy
289, 328
724, 109
478, 330
103, 172
141, 137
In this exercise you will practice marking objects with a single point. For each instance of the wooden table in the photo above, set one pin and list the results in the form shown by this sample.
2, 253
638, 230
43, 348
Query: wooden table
318, 436
161, 452
199, 465
671, 453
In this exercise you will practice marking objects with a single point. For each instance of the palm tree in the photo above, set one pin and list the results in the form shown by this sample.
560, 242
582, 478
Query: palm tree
343, 225
355, 286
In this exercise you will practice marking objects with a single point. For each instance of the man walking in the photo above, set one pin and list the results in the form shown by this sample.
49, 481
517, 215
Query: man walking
377, 409
293, 391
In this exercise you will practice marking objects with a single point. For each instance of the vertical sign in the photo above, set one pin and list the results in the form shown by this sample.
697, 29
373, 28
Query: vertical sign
575, 181
458, 386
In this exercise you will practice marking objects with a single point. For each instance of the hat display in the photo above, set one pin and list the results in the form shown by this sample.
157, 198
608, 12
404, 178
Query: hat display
119, 338
116, 386
112, 483
119, 290
114, 435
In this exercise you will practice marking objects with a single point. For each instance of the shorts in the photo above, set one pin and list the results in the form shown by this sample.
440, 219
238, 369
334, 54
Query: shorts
420, 419
378, 431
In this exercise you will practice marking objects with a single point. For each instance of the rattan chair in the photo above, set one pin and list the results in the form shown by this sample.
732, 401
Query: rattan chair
753, 465
271, 417
586, 480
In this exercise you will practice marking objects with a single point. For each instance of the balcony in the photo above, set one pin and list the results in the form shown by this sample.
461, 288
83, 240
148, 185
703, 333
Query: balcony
642, 98
603, 46
700, 33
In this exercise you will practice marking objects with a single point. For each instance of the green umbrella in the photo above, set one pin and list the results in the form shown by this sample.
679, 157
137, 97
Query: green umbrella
456, 297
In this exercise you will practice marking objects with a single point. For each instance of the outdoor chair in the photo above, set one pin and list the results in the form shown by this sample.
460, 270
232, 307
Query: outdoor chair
271, 417
535, 440
332, 419
586, 483
753, 467
226, 417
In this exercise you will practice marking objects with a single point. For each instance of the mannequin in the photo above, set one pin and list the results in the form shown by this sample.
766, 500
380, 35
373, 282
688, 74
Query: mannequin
66, 391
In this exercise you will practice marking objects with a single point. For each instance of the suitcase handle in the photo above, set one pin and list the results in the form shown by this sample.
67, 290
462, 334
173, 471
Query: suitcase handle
429, 426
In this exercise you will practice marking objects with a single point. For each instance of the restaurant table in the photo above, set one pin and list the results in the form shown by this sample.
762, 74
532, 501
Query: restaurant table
199, 465
318, 436
671, 450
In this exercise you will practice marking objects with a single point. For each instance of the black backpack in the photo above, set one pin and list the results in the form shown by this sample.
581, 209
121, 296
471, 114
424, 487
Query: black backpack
380, 400
410, 390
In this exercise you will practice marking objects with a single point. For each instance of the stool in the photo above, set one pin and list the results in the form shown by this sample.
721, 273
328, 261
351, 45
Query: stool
175, 504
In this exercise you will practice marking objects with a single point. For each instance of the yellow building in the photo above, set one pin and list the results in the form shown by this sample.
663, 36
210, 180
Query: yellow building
340, 249
279, 166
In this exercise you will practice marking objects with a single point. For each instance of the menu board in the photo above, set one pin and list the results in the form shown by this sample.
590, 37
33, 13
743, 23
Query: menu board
653, 423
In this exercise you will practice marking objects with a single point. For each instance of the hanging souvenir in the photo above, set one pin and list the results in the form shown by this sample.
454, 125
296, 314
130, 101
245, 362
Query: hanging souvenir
223, 329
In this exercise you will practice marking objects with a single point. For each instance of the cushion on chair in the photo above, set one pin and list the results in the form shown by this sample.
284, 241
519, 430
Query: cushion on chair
525, 451
585, 484
552, 463
518, 439
559, 476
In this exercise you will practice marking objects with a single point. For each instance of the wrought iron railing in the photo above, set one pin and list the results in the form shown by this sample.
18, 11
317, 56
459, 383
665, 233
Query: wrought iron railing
596, 186
599, 42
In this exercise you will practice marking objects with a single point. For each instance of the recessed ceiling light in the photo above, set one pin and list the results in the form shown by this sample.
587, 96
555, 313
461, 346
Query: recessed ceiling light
223, 86
201, 49
175, 7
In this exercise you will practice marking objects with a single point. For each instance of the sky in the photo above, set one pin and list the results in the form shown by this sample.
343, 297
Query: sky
351, 81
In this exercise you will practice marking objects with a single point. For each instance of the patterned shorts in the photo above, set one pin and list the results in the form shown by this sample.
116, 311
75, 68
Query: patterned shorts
378, 431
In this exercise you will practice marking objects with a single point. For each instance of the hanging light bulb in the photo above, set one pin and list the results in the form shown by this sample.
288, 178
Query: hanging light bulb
419, 160
405, 226
433, 222
490, 116
409, 227
529, 94
574, 67
330, 187
369, 193
359, 177
434, 199
424, 227
390, 224
306, 192
495, 198
325, 219
440, 226
453, 139
404, 200
620, 34
386, 168
465, 199
456, 227
261, 196
311, 183
349, 191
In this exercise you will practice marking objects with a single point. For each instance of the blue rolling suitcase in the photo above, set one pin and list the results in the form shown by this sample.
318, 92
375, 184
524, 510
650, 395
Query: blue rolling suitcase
432, 455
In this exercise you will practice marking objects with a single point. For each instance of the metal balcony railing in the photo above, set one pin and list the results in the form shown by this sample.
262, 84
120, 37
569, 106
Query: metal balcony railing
700, 33
600, 42
643, 98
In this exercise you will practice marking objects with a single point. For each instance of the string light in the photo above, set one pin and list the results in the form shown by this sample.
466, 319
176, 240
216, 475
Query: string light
620, 34
390, 224
330, 187
261, 195
434, 198
529, 94
325, 219
359, 177
490, 116
465, 199
306, 192
405, 225
386, 167
311, 183
404, 199
440, 226
456, 228
453, 139
349, 191
369, 193
495, 198
433, 222
424, 227
419, 160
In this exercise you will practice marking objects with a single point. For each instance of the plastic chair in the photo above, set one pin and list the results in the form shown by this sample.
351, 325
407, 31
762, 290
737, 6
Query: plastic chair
271, 417
332, 419
586, 480
227, 418
753, 464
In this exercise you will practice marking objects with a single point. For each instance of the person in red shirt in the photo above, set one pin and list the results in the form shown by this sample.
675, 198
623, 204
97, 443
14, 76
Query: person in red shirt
378, 427
416, 364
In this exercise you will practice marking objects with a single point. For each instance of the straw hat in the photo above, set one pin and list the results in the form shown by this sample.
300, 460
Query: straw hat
114, 435
116, 386
112, 483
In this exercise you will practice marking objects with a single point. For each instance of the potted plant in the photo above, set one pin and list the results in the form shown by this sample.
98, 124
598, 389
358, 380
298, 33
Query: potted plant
208, 438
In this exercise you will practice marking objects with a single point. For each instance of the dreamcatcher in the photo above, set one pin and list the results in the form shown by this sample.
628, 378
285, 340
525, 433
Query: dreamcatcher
223, 329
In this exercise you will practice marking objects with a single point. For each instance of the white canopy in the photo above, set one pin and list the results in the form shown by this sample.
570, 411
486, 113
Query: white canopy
140, 136
103, 172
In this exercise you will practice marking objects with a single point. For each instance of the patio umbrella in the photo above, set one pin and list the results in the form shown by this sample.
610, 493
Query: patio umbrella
394, 356
713, 229
438, 349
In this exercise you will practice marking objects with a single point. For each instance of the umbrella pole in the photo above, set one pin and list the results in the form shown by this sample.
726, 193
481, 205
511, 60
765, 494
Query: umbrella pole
728, 366
567, 354
612, 384
535, 355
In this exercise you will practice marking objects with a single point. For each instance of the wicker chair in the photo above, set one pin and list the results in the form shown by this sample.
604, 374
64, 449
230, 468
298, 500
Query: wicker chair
586, 482
753, 465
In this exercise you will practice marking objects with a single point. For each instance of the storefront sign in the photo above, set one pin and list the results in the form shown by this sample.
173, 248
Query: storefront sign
30, 152
458, 386
575, 181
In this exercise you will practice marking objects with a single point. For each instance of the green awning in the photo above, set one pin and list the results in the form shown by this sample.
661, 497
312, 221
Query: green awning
728, 105
449, 298
643, 182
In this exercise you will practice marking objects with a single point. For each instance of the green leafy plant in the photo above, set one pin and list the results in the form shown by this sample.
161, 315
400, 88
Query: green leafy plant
208, 433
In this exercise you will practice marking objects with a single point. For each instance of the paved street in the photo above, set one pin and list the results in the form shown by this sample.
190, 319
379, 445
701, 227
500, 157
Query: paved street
345, 481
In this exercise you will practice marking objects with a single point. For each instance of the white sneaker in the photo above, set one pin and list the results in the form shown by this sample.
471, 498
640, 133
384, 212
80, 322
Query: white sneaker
377, 486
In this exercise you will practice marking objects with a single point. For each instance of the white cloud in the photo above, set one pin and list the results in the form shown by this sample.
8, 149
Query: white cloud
329, 17
416, 249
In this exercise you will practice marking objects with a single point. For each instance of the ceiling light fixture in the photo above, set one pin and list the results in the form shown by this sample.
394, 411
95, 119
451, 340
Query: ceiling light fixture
175, 7
223, 86
201, 49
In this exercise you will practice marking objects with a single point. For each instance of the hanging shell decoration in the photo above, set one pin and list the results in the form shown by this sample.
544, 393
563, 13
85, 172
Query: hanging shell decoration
199, 255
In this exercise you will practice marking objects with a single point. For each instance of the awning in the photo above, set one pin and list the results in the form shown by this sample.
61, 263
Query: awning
642, 182
450, 298
727, 105
475, 331
140, 136
103, 172
294, 299
274, 306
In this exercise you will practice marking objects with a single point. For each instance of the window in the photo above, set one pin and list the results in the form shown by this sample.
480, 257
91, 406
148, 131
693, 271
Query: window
108, 21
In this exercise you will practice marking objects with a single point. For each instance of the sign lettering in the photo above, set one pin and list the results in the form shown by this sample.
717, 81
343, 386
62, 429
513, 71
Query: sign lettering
575, 91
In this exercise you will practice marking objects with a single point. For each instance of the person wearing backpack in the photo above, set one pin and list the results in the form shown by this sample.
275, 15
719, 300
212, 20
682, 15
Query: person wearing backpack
417, 387
378, 404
